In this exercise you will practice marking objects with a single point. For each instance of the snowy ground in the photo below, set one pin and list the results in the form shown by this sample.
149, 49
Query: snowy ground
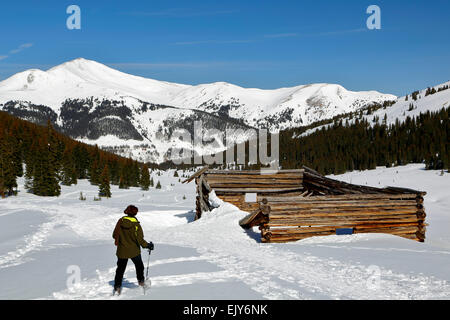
43, 240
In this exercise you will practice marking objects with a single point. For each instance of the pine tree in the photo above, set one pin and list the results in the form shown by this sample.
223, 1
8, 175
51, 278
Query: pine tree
81, 159
114, 171
145, 178
122, 183
45, 182
29, 174
158, 185
135, 174
8, 179
55, 149
68, 170
152, 182
104, 189
94, 172
30, 164
16, 152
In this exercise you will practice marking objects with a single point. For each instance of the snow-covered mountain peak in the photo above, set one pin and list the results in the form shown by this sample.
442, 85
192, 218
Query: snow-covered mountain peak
95, 101
82, 78
79, 63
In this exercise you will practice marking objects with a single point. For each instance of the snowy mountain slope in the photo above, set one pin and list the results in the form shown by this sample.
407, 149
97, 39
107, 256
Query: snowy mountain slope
214, 258
130, 127
83, 78
91, 102
278, 109
402, 108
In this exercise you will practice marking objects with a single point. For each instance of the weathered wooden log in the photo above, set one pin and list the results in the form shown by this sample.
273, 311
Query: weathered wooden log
274, 179
342, 214
336, 213
245, 188
389, 230
325, 212
195, 175
420, 235
255, 190
344, 203
315, 180
342, 223
281, 238
350, 197
204, 205
248, 220
404, 190
253, 172
206, 186
421, 215
278, 206
299, 237
264, 207
394, 228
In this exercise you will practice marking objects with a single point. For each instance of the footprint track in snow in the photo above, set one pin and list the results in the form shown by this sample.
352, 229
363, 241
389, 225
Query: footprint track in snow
101, 288
33, 242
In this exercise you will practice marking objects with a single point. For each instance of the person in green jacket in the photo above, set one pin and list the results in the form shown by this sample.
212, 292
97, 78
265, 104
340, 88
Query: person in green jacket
129, 237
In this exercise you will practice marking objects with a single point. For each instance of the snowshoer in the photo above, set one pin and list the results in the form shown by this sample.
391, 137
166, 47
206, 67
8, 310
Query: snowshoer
129, 237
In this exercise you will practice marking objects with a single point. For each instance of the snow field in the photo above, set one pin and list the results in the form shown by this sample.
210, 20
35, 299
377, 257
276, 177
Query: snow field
213, 258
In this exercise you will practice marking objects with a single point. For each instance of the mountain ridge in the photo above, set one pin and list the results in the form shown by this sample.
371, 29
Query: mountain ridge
107, 102
82, 78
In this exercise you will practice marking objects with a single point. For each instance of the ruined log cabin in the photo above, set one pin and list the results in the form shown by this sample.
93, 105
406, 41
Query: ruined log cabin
290, 205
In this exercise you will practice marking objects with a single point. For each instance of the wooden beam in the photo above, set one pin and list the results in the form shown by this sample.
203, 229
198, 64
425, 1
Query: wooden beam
197, 174
253, 172
255, 190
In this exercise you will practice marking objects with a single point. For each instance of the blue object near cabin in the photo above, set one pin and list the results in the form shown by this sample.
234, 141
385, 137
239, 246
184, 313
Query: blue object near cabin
344, 231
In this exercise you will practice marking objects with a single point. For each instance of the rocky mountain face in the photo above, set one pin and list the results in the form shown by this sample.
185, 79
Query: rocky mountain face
140, 129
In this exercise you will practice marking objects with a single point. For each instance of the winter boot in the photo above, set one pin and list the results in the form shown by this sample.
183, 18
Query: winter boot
117, 291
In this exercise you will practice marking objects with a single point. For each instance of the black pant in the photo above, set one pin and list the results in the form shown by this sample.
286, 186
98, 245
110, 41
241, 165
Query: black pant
122, 265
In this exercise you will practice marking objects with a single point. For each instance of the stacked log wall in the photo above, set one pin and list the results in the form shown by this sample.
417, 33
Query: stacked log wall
301, 203
231, 186
292, 219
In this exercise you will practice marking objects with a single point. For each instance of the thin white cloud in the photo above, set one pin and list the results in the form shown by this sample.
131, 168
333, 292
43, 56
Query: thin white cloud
338, 32
21, 47
17, 50
178, 13
317, 34
181, 43
281, 35
144, 65
272, 36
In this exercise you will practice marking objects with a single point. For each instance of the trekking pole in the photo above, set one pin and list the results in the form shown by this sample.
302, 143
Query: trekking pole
148, 263
150, 248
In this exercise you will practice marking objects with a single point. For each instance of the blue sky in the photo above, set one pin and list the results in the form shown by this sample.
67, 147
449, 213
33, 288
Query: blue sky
265, 44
